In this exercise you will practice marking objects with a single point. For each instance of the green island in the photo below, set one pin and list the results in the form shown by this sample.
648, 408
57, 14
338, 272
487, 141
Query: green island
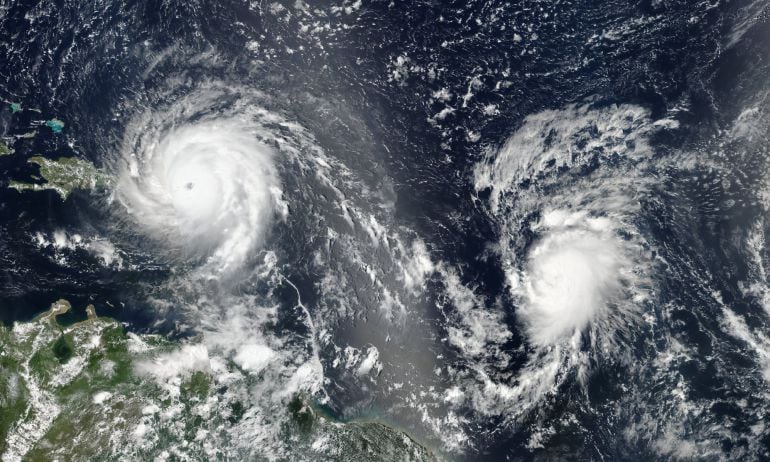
64, 175
5, 150
81, 392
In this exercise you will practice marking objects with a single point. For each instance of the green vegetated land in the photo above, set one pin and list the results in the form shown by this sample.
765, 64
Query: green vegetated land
64, 175
5, 150
77, 392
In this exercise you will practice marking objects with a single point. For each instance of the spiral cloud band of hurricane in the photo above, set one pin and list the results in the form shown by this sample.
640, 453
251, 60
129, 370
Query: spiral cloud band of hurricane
585, 264
578, 269
206, 188
572, 273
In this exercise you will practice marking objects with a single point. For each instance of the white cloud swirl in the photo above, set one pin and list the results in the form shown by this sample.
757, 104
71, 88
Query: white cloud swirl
205, 187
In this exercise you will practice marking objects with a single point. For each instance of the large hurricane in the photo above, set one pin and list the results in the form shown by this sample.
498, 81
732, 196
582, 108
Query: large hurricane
203, 185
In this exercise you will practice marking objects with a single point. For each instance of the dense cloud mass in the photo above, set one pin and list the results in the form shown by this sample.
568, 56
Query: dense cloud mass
377, 230
207, 187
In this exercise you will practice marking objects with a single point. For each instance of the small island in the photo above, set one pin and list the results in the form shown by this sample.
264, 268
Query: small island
5, 150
